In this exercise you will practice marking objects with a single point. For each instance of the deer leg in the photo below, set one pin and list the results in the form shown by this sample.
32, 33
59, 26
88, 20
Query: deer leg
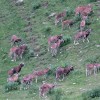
83, 39
86, 72
95, 70
36, 79
21, 56
88, 40
75, 42
14, 57
63, 77
55, 53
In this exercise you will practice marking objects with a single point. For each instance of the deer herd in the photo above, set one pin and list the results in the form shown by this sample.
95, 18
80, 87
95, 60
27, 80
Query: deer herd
54, 43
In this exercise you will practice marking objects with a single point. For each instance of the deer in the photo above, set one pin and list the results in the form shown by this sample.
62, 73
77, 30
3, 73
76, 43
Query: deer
55, 47
84, 35
59, 17
15, 39
15, 70
54, 39
67, 23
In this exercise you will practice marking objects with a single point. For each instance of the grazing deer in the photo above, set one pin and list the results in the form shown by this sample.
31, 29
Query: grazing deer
54, 47
12, 53
83, 9
54, 39
67, 23
45, 88
27, 81
40, 73
59, 17
20, 51
62, 71
84, 35
13, 78
92, 68
15, 39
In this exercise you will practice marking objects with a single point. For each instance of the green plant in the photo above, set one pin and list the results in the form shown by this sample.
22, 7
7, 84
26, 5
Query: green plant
91, 94
67, 40
91, 0
36, 6
33, 89
57, 94
47, 30
77, 18
11, 86
69, 12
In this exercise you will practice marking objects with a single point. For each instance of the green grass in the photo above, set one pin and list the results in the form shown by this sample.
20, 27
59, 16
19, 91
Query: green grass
12, 23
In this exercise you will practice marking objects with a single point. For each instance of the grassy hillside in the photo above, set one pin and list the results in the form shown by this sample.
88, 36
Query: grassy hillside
14, 20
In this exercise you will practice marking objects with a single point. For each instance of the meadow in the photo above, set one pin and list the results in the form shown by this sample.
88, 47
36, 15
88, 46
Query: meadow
14, 20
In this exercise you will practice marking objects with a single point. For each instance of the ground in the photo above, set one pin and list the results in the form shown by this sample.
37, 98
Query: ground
30, 22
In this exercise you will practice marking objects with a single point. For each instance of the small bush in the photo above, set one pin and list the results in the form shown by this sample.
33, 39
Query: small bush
91, 94
69, 12
52, 71
11, 86
77, 18
88, 22
67, 40
33, 89
57, 94
47, 30
94, 59
92, 0
36, 6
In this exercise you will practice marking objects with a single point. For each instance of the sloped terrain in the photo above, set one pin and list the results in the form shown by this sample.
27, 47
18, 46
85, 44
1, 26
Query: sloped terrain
30, 22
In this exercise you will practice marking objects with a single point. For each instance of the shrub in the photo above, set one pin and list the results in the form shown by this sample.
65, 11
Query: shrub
33, 89
69, 12
52, 71
77, 18
11, 86
91, 0
57, 94
47, 30
67, 40
91, 94
94, 59
36, 6
88, 22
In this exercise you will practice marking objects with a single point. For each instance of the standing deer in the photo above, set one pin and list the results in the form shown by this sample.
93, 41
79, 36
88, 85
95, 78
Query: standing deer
45, 88
54, 39
92, 68
59, 17
84, 35
55, 47
40, 73
67, 23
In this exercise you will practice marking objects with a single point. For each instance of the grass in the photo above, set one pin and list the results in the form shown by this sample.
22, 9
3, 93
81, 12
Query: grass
12, 23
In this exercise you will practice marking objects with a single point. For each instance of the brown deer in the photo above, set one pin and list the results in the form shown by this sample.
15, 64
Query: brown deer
54, 39
13, 78
15, 70
82, 25
59, 17
15, 39
55, 47
62, 71
83, 35
45, 88
40, 73
67, 23
92, 68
